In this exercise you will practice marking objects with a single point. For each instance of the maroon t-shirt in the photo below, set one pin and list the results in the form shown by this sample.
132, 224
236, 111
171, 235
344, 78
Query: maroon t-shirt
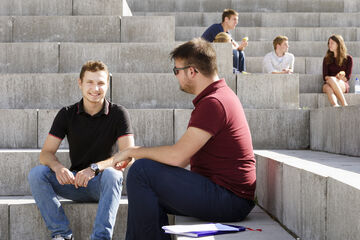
227, 158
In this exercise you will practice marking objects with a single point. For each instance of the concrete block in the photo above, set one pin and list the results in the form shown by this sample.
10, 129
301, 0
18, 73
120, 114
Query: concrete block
323, 34
67, 29
264, 33
27, 223
149, 91
342, 219
152, 127
148, 29
214, 6
273, 91
36, 8
247, 19
279, 129
21, 91
314, 65
45, 121
15, 57
98, 7
182, 18
315, 6
152, 5
188, 33
269, 185
293, 19
4, 223
259, 6
339, 20
187, 6
181, 121
210, 18
256, 219
325, 130
6, 25
308, 100
310, 83
351, 98
254, 64
351, 6
137, 56
13, 178
18, 128
350, 133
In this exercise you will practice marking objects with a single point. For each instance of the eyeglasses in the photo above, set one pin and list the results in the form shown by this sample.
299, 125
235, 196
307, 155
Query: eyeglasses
176, 70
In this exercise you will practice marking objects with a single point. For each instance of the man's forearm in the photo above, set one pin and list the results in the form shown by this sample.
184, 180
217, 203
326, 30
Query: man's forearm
50, 160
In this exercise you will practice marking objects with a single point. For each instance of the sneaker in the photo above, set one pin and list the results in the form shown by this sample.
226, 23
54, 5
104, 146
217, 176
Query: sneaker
59, 237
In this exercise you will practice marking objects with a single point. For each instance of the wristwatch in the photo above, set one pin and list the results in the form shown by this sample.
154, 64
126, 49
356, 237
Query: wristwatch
95, 168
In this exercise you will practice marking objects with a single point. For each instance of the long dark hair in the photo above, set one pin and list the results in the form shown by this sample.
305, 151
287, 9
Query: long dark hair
341, 55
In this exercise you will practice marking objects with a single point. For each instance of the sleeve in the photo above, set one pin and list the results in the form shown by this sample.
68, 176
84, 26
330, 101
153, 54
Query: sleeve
123, 124
59, 126
210, 33
349, 65
267, 65
208, 115
325, 69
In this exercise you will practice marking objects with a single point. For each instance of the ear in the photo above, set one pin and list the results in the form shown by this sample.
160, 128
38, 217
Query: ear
79, 83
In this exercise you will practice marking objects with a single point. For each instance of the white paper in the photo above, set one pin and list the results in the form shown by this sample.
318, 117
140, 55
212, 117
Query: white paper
177, 229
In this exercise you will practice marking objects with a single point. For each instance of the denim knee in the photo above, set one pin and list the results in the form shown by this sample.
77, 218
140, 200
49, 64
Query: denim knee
111, 176
37, 173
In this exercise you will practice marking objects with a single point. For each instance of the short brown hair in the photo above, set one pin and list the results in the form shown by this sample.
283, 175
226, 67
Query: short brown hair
222, 37
198, 53
228, 13
279, 40
93, 66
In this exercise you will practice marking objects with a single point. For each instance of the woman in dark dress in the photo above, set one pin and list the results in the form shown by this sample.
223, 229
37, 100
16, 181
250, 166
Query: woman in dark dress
337, 67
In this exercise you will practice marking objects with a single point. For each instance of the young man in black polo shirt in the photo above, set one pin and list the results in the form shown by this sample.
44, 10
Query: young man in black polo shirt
92, 127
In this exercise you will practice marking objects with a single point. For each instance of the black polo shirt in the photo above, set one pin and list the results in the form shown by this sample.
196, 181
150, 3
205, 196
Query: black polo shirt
91, 138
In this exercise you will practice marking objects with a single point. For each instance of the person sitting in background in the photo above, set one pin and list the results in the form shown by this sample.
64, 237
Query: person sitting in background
279, 61
337, 68
229, 22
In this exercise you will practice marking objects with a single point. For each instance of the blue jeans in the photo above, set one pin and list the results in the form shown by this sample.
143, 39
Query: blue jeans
239, 60
155, 189
105, 189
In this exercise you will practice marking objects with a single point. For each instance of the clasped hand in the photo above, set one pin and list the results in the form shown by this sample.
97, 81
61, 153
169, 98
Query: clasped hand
65, 176
121, 159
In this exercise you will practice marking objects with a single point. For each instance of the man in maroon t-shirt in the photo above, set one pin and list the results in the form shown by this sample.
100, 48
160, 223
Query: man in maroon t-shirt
217, 144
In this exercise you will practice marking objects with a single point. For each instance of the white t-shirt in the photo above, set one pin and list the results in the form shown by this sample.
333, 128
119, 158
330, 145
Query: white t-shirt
273, 63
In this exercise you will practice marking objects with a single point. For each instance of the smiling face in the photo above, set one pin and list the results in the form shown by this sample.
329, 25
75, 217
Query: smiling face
94, 86
332, 45
231, 22
283, 47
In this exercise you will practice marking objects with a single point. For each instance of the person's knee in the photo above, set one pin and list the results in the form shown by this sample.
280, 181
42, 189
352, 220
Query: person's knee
112, 176
136, 170
36, 174
327, 89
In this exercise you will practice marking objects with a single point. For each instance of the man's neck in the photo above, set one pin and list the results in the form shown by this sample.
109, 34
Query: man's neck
93, 108
204, 83
279, 53
224, 27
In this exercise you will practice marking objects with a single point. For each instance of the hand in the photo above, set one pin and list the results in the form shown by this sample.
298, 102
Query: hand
64, 175
287, 70
243, 45
83, 177
340, 75
121, 160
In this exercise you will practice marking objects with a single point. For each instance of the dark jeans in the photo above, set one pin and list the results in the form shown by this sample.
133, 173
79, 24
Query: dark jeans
155, 189
239, 60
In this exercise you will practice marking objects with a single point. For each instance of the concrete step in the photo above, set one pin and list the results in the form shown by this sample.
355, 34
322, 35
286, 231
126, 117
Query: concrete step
304, 191
242, 6
86, 29
63, 8
269, 33
335, 130
120, 57
267, 91
312, 83
264, 19
270, 128
255, 220
303, 65
21, 219
28, 128
320, 100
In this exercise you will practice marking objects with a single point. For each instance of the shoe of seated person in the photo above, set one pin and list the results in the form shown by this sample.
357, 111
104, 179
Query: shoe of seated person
59, 237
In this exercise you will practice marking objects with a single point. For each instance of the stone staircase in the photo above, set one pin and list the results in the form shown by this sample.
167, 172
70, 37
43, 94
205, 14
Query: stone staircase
45, 42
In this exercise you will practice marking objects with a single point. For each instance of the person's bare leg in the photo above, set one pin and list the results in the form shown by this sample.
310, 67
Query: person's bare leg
338, 88
330, 94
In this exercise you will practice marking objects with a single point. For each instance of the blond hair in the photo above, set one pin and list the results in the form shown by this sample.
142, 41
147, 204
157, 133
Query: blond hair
222, 37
